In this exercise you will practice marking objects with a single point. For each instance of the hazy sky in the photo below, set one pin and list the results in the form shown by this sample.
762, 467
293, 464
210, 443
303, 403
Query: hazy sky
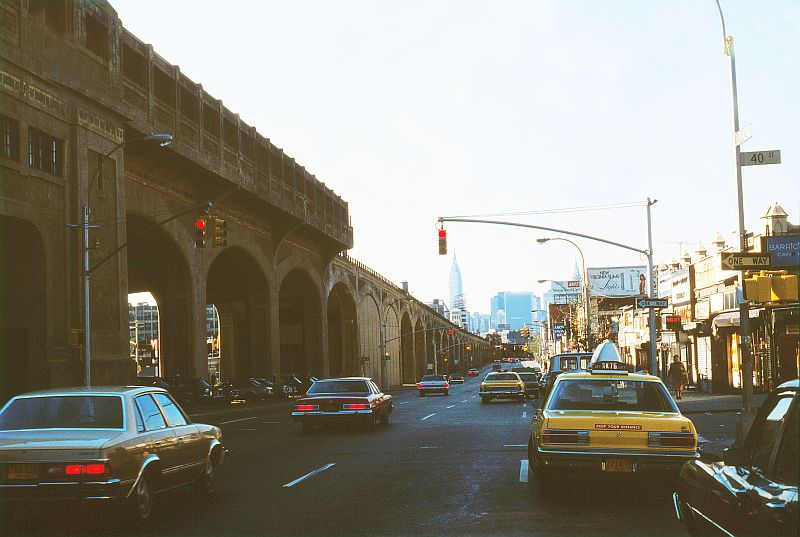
414, 109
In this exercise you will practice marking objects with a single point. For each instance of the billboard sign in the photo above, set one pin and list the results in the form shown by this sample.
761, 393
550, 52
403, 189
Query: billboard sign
618, 281
559, 314
785, 251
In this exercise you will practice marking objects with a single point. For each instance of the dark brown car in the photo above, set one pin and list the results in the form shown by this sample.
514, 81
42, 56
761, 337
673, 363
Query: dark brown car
103, 445
352, 399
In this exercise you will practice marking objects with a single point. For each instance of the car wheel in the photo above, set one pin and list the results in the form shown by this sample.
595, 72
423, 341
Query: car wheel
485, 400
141, 499
384, 420
538, 475
205, 486
446, 392
422, 394
690, 522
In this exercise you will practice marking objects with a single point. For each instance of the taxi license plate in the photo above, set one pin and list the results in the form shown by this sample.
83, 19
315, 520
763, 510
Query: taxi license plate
617, 465
22, 471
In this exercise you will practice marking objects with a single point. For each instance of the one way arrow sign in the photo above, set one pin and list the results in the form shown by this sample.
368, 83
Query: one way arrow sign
745, 261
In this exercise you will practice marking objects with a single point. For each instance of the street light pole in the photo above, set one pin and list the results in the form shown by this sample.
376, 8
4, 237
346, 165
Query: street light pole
744, 306
163, 140
651, 291
586, 299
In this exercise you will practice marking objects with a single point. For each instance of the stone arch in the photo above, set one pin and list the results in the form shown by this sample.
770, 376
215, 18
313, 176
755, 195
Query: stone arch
408, 368
237, 286
369, 329
391, 365
342, 317
300, 324
420, 347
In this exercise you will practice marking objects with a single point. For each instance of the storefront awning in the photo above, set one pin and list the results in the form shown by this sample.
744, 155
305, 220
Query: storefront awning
731, 318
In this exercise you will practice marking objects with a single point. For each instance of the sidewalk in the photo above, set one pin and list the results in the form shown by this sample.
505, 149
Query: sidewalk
694, 402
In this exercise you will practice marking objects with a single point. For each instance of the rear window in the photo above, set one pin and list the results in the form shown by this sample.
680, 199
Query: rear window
503, 376
528, 377
611, 394
433, 377
63, 412
339, 386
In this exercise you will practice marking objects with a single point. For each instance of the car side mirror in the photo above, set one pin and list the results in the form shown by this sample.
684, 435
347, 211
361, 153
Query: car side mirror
735, 456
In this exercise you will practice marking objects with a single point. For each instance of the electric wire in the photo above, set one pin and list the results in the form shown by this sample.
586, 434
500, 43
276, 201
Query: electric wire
583, 208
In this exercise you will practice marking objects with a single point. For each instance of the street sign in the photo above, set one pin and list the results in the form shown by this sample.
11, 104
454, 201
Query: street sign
744, 134
673, 322
757, 158
745, 261
651, 303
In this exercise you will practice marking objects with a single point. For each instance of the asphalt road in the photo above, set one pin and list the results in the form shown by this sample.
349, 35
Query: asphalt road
444, 466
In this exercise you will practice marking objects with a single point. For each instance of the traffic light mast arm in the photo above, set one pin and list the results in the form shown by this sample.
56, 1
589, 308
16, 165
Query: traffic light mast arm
412, 333
443, 219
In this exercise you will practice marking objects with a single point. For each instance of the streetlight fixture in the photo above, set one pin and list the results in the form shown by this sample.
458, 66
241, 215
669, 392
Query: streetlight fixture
585, 286
162, 140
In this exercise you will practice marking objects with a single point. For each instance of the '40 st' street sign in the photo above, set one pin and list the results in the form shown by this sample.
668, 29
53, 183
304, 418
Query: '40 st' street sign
651, 303
745, 261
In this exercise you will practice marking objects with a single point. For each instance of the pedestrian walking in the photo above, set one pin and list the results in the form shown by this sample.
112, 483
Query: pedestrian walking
678, 377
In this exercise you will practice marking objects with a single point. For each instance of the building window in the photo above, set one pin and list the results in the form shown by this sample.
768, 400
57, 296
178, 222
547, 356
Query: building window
10, 130
45, 152
96, 36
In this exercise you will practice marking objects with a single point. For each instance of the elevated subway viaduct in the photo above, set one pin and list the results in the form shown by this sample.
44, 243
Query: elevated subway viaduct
75, 85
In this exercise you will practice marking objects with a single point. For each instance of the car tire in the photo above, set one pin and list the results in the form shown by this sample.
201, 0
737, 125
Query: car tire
422, 394
205, 486
385, 419
690, 522
538, 476
485, 399
141, 499
446, 393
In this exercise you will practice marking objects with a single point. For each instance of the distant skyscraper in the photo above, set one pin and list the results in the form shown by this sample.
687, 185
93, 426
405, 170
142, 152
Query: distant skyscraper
512, 308
457, 301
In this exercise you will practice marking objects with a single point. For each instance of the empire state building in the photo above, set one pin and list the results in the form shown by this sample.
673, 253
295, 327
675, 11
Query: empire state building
457, 301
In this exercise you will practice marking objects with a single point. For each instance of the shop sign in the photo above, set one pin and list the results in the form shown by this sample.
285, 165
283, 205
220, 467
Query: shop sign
680, 290
673, 322
785, 251
618, 281
717, 302
707, 272
702, 310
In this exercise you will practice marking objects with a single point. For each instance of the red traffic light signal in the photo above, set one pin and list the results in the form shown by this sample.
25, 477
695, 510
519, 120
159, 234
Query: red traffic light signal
442, 234
442, 242
200, 229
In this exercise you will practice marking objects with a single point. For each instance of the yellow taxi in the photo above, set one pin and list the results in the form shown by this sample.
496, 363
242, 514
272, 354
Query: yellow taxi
608, 420
499, 384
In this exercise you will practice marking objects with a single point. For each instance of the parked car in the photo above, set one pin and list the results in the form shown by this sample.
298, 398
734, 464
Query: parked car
352, 399
187, 390
248, 389
433, 384
754, 490
103, 445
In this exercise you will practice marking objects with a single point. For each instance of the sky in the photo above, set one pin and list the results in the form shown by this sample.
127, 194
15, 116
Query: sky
415, 109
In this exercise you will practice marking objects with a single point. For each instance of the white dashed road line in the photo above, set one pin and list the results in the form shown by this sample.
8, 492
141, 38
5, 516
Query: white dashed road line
270, 422
515, 445
234, 421
524, 414
523, 471
429, 447
428, 416
309, 474
246, 429
403, 402
465, 401
451, 406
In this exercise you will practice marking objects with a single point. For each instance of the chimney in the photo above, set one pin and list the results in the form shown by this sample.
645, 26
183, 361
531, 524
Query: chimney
718, 243
701, 252
404, 285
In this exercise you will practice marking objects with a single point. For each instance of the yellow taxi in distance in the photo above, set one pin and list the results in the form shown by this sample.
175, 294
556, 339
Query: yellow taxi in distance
502, 384
608, 420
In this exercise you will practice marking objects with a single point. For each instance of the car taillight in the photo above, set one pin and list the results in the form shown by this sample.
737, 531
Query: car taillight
306, 408
419, 385
355, 406
98, 468
565, 436
670, 440
446, 385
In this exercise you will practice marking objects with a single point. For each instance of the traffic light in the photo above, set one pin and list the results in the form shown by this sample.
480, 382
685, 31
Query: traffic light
771, 286
442, 242
468, 348
220, 233
201, 231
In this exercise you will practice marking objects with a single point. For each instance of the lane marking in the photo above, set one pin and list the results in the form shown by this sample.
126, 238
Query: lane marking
309, 474
515, 445
465, 401
246, 429
524, 414
451, 406
702, 440
524, 405
240, 419
428, 416
429, 447
270, 422
523, 471
403, 402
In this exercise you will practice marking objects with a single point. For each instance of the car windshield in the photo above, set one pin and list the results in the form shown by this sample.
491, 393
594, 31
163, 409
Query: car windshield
63, 412
339, 386
611, 394
502, 376
432, 377
528, 377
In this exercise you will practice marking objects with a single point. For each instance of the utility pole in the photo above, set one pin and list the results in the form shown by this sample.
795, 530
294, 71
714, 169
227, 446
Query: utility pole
651, 291
384, 359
